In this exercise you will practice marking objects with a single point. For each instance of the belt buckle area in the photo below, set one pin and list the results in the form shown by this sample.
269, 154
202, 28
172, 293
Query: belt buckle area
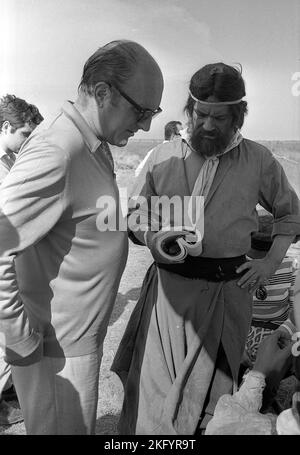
220, 275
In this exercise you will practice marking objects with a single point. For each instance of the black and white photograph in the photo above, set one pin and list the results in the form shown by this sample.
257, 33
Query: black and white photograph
150, 220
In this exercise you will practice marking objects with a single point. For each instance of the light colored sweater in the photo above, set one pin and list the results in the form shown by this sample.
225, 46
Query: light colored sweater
59, 274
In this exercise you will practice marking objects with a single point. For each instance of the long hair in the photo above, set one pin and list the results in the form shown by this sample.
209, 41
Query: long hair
222, 81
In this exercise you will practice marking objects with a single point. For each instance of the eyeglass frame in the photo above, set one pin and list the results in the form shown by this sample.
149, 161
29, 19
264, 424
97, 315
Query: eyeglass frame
143, 112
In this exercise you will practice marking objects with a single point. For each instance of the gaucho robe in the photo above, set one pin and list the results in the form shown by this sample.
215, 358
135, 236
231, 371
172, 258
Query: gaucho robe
166, 358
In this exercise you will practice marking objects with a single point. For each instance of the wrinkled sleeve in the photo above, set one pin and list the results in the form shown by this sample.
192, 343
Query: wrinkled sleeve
278, 197
140, 216
232, 409
31, 203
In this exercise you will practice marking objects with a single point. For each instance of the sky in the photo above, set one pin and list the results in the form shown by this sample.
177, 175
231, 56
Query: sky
45, 43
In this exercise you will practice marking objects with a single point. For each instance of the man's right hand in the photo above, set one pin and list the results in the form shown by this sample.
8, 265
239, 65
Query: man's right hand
151, 242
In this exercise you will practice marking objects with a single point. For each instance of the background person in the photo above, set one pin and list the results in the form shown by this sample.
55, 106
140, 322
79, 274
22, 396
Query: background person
17, 121
172, 131
274, 300
239, 413
273, 304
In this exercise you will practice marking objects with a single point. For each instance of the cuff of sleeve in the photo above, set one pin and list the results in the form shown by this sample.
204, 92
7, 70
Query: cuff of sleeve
250, 393
22, 349
289, 326
255, 378
290, 227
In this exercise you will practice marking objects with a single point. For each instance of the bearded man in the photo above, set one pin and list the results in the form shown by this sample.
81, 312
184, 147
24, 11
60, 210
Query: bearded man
184, 342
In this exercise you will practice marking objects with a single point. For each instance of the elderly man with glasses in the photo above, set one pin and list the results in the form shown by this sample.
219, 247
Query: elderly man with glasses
184, 342
59, 283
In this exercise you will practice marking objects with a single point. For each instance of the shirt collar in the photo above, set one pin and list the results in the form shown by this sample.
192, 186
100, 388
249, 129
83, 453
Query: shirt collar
236, 139
2, 152
74, 115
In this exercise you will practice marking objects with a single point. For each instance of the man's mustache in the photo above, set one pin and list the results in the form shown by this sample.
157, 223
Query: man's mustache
200, 133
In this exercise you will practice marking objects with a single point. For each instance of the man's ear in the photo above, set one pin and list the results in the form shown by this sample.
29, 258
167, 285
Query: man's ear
102, 92
6, 127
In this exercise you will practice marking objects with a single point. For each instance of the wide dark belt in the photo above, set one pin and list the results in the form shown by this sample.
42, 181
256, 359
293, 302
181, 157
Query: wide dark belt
265, 324
210, 269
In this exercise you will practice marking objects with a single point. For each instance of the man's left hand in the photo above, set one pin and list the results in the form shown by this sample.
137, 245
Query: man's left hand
258, 272
273, 356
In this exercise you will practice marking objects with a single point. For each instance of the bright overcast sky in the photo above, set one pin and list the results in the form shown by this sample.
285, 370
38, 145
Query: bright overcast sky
45, 43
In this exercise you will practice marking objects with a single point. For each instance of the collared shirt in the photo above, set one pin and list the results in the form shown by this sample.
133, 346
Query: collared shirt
56, 258
209, 168
89, 136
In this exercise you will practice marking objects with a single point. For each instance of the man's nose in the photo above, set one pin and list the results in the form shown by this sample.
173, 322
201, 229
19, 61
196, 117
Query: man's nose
208, 124
145, 124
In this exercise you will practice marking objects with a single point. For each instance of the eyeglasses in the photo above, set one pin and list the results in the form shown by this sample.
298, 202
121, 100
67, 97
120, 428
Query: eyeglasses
143, 113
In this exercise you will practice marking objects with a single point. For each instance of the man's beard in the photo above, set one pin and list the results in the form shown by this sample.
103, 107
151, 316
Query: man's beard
209, 144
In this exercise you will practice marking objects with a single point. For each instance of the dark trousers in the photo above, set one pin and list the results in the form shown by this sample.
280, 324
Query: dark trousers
222, 383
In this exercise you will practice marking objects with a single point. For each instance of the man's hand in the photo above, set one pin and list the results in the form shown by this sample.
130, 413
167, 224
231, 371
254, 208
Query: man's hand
273, 358
151, 242
285, 338
258, 272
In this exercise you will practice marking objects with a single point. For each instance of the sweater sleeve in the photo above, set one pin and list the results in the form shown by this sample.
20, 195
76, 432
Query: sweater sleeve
278, 197
31, 202
289, 324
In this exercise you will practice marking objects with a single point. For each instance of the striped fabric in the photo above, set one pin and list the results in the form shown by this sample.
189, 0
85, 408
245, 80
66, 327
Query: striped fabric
279, 301
276, 308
